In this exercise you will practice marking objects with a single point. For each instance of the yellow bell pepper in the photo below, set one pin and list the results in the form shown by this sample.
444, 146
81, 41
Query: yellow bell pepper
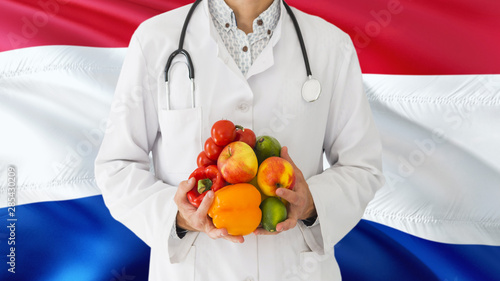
236, 208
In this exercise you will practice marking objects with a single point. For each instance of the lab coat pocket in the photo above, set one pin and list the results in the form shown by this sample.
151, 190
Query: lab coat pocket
161, 269
310, 266
188, 264
181, 142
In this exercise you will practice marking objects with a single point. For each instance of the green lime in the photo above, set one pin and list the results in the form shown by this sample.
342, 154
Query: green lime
273, 212
265, 147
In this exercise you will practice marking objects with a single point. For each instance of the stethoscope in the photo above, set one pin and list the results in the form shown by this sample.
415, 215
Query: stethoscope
311, 89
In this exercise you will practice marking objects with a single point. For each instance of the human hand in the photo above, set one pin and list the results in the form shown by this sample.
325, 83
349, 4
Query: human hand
196, 219
300, 201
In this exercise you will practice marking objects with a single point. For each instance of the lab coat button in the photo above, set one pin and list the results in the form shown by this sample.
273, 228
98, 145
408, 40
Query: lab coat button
243, 107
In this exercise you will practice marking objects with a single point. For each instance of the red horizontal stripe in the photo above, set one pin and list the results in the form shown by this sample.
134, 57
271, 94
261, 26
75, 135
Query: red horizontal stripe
97, 23
391, 36
419, 37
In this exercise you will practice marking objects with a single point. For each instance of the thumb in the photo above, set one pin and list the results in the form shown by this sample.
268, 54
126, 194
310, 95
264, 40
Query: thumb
186, 186
284, 154
206, 203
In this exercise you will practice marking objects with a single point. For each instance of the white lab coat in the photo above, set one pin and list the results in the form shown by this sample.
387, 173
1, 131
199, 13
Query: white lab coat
269, 101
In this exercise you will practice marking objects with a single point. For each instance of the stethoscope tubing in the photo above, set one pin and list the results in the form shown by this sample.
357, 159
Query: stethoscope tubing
301, 39
181, 51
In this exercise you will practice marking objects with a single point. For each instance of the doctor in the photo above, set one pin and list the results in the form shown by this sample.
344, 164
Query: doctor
249, 69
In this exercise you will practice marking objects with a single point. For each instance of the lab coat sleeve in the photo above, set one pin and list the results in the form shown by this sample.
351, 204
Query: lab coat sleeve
353, 149
132, 193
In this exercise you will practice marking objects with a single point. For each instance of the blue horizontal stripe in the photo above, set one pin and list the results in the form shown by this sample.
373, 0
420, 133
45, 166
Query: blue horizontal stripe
373, 251
75, 240
79, 240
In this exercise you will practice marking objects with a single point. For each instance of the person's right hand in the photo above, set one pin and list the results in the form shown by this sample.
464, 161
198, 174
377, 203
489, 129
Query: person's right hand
192, 219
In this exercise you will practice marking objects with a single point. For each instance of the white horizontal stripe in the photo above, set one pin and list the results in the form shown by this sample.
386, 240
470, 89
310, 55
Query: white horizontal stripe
441, 156
440, 136
439, 89
54, 101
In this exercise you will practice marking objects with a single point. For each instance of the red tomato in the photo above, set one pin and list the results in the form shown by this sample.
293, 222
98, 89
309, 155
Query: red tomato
223, 132
212, 150
247, 136
203, 160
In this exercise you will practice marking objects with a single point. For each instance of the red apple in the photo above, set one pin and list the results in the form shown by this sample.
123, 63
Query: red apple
237, 163
275, 172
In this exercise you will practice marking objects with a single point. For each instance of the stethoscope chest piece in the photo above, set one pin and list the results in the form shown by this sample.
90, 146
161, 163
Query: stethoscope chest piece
311, 89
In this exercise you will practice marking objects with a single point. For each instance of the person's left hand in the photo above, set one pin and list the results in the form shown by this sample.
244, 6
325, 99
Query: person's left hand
300, 201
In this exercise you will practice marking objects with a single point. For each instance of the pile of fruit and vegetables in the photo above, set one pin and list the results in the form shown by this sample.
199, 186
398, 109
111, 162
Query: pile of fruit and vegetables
244, 172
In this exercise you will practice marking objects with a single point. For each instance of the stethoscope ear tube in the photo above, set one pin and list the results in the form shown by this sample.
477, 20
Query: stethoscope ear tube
183, 52
301, 40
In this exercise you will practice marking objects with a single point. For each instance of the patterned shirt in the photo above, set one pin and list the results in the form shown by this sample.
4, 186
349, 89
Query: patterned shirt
244, 48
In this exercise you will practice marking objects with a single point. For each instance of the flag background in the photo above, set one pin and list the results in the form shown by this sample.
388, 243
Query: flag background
428, 65
391, 36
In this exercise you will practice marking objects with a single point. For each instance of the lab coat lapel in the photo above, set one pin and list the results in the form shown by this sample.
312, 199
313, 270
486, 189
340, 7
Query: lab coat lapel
266, 58
263, 62
222, 52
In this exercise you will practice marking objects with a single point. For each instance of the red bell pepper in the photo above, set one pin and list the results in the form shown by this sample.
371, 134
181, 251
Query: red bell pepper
207, 178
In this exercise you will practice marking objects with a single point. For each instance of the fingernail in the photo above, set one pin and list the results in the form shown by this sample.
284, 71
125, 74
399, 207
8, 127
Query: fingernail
279, 192
210, 194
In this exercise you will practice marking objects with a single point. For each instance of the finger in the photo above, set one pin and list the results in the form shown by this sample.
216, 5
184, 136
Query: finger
205, 204
185, 187
216, 233
235, 239
289, 195
180, 197
262, 231
298, 173
286, 225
